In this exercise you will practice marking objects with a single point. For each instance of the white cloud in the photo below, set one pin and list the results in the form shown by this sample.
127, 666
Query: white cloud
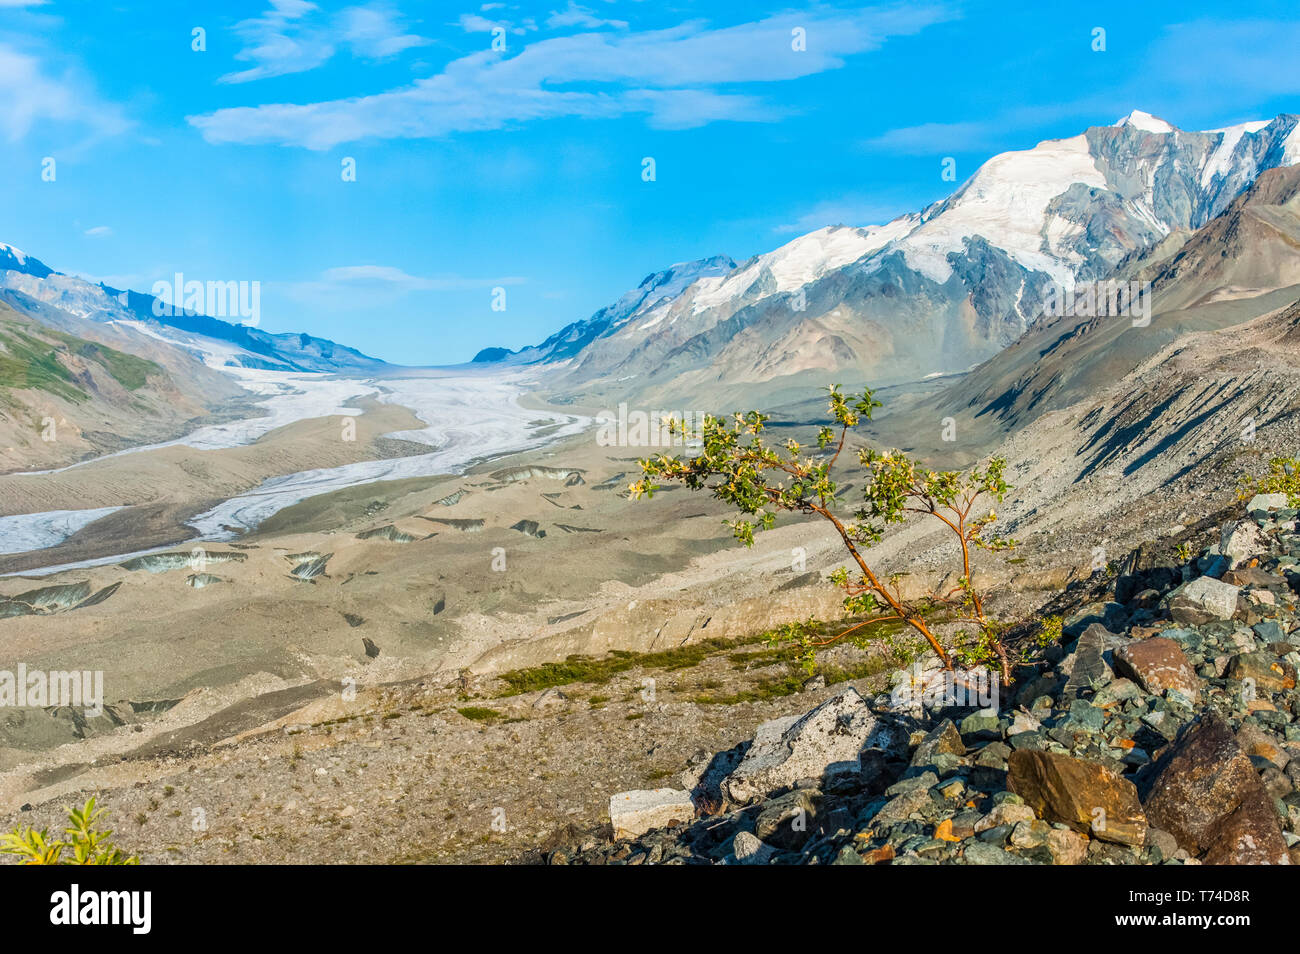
290, 37
375, 33
473, 23
932, 138
668, 75
576, 16
99, 231
31, 95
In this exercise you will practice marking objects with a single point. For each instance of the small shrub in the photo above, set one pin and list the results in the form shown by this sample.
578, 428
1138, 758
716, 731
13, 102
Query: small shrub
739, 468
1283, 477
86, 845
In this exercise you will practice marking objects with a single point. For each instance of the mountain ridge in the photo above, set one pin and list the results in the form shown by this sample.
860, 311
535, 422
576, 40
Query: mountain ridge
931, 292
25, 279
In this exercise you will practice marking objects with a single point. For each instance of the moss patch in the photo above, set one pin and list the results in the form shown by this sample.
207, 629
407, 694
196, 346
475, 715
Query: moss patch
479, 713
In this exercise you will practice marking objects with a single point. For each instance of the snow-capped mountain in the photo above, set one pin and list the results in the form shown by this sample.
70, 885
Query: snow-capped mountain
33, 287
642, 302
930, 292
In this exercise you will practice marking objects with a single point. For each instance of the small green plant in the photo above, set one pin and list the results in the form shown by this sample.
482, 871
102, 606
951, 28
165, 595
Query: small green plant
1184, 551
1049, 631
737, 465
86, 844
1283, 477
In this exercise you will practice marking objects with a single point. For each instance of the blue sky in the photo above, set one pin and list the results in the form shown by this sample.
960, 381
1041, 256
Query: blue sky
479, 168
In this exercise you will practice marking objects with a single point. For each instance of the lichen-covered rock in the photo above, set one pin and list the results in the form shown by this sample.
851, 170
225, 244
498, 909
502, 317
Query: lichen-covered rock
828, 740
1239, 540
1248, 836
1199, 788
1268, 672
1157, 664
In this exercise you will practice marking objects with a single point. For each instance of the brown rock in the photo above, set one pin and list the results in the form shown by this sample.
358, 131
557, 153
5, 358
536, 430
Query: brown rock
1248, 836
1253, 576
1201, 784
1269, 672
1086, 796
1157, 664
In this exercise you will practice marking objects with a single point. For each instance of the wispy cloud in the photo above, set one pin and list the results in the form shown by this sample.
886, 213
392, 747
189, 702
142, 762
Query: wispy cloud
99, 231
371, 284
673, 76
577, 16
931, 138
850, 210
33, 94
295, 36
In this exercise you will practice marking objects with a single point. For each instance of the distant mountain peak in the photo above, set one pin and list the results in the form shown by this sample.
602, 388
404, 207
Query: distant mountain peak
30, 285
1146, 122
932, 291
15, 259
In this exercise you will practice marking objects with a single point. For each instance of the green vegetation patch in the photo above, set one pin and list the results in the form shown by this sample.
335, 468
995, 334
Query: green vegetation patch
479, 713
30, 363
601, 669
129, 371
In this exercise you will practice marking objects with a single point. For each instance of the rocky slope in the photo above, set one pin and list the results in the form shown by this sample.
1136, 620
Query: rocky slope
72, 390
1158, 725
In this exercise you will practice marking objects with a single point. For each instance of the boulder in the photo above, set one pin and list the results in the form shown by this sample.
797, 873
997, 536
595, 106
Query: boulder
826, 741
1086, 796
1198, 790
1248, 836
1203, 600
1240, 540
1157, 664
1266, 502
636, 812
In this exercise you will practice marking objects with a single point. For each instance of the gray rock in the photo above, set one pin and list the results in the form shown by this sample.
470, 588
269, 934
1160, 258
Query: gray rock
1093, 659
786, 822
550, 697
1203, 600
636, 812
1240, 540
943, 738
749, 850
1266, 502
978, 853
828, 740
